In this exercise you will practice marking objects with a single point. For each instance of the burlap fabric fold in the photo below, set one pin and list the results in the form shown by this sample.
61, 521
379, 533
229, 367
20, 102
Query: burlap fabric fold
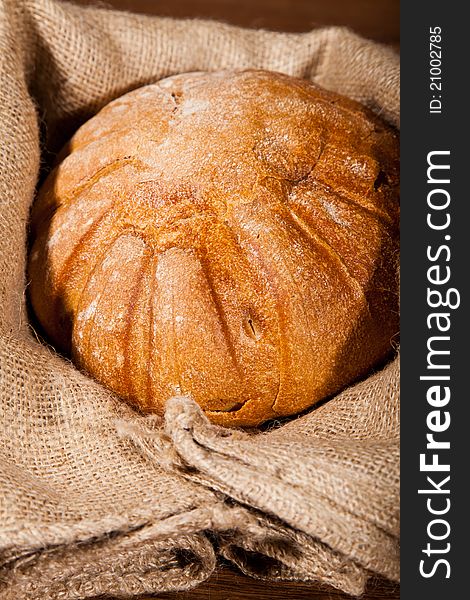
97, 499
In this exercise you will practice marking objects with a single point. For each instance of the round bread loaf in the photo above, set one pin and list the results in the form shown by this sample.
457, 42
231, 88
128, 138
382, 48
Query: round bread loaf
231, 236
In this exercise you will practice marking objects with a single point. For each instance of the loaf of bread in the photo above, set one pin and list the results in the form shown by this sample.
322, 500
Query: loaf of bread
231, 236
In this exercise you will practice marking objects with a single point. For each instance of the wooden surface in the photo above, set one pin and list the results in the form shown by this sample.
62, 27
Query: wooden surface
375, 19
227, 584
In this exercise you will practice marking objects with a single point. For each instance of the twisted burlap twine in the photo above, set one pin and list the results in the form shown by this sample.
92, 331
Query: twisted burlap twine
96, 499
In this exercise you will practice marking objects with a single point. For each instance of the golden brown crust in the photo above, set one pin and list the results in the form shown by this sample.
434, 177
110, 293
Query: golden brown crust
232, 236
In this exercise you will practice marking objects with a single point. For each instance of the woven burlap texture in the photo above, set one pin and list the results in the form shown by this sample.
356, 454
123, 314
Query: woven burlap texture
97, 499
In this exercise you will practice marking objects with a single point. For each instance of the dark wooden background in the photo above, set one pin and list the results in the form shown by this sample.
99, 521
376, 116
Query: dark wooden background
375, 19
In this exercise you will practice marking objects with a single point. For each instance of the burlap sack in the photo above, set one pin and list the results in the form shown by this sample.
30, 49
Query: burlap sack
96, 499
